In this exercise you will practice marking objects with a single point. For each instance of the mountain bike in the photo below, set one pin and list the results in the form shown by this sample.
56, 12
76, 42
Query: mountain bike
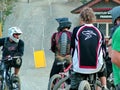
7, 81
87, 82
64, 73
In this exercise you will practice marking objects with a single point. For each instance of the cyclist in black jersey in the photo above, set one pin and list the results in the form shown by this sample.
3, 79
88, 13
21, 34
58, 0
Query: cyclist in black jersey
88, 50
13, 46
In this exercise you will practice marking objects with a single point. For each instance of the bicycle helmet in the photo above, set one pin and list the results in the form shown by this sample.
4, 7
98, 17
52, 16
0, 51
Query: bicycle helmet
115, 12
12, 31
63, 23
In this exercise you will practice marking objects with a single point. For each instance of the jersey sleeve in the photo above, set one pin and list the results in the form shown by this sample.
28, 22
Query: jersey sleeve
53, 43
116, 40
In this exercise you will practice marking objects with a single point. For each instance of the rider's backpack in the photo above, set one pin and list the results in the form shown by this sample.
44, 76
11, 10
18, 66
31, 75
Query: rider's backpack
61, 43
63, 40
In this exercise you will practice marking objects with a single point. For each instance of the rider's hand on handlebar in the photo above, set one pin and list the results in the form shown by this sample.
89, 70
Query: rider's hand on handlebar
9, 57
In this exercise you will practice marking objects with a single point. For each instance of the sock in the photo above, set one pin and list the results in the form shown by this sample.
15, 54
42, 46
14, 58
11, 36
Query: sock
104, 86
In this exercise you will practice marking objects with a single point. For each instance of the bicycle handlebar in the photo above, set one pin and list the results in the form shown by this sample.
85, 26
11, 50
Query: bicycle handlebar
10, 58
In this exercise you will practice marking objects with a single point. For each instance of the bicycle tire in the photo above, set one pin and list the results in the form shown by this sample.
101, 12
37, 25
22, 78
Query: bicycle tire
18, 85
3, 86
58, 85
52, 79
84, 85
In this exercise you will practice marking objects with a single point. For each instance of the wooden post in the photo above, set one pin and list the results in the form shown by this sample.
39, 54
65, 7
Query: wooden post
28, 1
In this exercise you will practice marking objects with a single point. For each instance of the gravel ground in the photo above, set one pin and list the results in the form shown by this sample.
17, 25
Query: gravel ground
37, 21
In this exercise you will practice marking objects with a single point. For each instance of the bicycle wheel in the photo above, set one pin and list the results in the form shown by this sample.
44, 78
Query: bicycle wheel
3, 85
16, 85
53, 80
84, 85
62, 84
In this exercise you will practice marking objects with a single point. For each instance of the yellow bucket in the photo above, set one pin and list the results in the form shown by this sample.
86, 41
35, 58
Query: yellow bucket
39, 58
0, 29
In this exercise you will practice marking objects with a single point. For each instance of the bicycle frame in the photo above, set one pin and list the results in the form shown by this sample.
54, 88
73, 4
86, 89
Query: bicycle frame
62, 74
65, 73
7, 78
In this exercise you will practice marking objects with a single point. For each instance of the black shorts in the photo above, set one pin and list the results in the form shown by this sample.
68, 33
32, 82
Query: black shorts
103, 72
15, 63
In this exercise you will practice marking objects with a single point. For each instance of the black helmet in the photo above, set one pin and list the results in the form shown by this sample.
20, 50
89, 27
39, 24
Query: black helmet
63, 23
115, 12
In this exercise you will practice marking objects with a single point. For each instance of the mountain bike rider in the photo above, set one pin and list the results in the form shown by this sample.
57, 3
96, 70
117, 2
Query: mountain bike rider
64, 26
88, 50
13, 46
114, 46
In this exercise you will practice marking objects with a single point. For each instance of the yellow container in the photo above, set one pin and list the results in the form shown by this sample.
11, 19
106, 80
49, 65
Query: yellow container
0, 29
39, 58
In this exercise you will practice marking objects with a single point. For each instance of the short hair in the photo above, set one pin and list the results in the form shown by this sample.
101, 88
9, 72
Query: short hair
87, 15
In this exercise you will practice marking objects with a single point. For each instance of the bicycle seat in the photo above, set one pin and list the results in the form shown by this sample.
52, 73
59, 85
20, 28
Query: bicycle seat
61, 63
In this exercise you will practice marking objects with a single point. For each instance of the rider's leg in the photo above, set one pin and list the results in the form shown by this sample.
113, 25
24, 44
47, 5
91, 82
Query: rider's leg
103, 81
75, 79
102, 76
16, 71
55, 68
17, 64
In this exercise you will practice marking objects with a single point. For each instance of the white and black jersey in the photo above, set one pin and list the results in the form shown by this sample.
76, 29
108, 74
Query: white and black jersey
87, 51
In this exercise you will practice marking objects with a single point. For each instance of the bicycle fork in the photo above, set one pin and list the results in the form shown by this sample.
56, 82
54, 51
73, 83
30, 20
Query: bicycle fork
4, 83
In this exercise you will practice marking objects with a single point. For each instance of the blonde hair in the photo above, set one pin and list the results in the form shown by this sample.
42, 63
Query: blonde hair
87, 15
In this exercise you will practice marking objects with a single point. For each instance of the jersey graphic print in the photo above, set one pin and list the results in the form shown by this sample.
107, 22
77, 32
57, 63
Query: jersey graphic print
9, 48
89, 45
88, 34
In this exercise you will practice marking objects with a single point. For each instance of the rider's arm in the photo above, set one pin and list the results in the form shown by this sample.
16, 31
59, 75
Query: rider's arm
53, 43
115, 55
2, 41
73, 38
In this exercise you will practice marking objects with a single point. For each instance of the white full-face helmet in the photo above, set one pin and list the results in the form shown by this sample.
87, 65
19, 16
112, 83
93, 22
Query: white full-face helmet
12, 31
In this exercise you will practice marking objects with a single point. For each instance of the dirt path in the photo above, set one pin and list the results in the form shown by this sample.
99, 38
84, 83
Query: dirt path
37, 21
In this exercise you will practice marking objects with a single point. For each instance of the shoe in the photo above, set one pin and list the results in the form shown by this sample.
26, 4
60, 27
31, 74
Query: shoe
103, 88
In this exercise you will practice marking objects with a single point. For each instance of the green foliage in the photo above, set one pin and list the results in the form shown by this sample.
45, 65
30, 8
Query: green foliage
8, 6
